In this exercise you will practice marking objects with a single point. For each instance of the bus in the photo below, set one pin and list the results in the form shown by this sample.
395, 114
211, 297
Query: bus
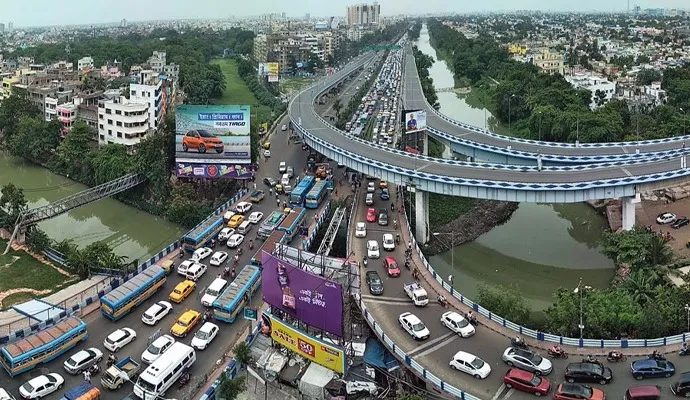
238, 293
269, 246
316, 195
162, 373
130, 294
202, 233
42, 346
300, 191
292, 223
270, 224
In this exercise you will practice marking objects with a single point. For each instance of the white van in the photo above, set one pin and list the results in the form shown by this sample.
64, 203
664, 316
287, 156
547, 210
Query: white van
162, 373
243, 207
214, 290
195, 271
227, 216
285, 180
244, 227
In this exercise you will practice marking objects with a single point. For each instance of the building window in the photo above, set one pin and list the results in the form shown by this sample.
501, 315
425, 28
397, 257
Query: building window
133, 94
110, 122
119, 123
119, 134
110, 132
108, 111
118, 112
100, 126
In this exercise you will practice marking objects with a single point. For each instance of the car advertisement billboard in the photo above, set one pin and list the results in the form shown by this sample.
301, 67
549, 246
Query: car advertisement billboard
307, 346
310, 298
415, 120
212, 135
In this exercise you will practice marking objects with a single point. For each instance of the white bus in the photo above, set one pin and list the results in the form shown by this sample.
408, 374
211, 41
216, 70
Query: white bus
160, 375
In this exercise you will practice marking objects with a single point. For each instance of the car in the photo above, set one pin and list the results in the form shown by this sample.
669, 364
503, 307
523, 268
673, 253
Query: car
373, 249
680, 222
360, 230
243, 207
665, 218
270, 181
371, 187
369, 199
385, 194
185, 323
371, 215
218, 258
374, 282
290, 171
201, 140
235, 240
196, 271
576, 391
526, 381
391, 266
256, 217
283, 128
266, 145
588, 372
236, 221
184, 266
82, 360
204, 336
156, 312
282, 167
157, 348
228, 214
383, 217
383, 184
267, 153
388, 242
414, 326
681, 387
527, 360
457, 323
119, 339
225, 233
470, 364
41, 386
647, 368
181, 291
5, 396
648, 392
202, 253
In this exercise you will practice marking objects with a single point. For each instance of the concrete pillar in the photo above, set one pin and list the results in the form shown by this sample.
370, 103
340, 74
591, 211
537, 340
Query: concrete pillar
447, 153
421, 208
425, 142
628, 212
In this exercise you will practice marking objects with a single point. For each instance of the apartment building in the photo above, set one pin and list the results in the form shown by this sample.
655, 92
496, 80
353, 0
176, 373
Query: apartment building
147, 87
288, 49
123, 121
261, 47
593, 84
66, 115
549, 62
363, 14
85, 63
157, 61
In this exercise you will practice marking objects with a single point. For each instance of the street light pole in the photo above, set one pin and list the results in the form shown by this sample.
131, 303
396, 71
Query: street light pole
687, 311
509, 114
683, 111
579, 290
540, 126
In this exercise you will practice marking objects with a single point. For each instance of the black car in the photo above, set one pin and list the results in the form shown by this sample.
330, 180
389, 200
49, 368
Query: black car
682, 386
679, 222
270, 181
588, 372
375, 283
383, 216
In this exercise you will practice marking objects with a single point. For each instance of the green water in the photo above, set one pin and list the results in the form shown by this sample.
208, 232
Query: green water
132, 233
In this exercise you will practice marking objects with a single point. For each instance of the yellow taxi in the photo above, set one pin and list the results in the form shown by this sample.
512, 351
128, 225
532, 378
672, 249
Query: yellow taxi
236, 220
383, 184
185, 323
279, 188
181, 291
266, 145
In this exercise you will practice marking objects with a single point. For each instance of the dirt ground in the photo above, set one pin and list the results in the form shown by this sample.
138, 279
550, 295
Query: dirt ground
647, 210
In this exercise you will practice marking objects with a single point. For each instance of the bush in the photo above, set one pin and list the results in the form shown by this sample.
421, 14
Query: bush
505, 301
37, 240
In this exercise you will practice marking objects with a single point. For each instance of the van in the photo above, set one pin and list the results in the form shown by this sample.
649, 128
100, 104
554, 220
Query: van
285, 180
244, 227
213, 291
243, 207
196, 271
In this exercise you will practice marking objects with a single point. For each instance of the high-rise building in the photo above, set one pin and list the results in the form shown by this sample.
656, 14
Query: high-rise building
2, 28
363, 14
10, 27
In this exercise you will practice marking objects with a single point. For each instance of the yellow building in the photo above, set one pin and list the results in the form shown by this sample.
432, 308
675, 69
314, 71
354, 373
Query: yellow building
6, 89
549, 62
515, 48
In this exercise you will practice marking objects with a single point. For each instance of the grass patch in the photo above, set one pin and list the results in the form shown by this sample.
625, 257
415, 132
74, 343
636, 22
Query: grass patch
16, 298
290, 85
237, 92
19, 270
444, 209
368, 129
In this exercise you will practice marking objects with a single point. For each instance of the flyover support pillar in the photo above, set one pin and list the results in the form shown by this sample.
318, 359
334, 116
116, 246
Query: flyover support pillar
628, 212
421, 207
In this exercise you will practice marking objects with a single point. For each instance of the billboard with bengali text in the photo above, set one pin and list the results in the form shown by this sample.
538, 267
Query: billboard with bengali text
310, 298
212, 135
273, 78
415, 120
239, 171
323, 353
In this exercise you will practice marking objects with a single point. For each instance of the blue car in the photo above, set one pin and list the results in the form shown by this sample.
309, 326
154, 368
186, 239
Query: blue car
384, 194
648, 368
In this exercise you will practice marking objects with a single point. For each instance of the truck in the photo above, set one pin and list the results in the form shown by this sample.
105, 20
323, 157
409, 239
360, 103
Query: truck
417, 293
256, 196
113, 377
83, 391
270, 224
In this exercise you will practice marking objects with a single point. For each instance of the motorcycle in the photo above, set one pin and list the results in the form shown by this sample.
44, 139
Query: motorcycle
615, 356
591, 360
251, 244
365, 262
471, 319
557, 352
657, 356
520, 344
397, 238
407, 264
684, 352
184, 379
112, 359
94, 369
442, 301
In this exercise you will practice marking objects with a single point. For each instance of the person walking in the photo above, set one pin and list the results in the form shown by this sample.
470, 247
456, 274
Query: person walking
254, 185
87, 377
278, 202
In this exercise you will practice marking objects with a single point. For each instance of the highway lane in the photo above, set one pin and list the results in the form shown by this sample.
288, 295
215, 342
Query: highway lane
414, 99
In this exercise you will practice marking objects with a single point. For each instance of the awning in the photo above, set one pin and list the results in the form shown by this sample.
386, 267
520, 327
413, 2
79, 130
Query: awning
378, 356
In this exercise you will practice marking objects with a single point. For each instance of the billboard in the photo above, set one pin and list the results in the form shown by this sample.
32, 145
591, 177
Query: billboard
239, 171
273, 78
262, 69
212, 135
415, 120
316, 350
310, 298
272, 68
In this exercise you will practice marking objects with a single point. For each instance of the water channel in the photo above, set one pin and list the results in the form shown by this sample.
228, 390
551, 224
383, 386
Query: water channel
541, 248
132, 233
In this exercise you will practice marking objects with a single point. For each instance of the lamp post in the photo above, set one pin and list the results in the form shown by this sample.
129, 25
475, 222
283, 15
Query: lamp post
540, 126
580, 290
452, 257
687, 312
683, 111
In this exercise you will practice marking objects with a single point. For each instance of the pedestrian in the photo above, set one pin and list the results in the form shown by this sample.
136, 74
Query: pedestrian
270, 192
409, 245
450, 279
278, 202
254, 185
87, 377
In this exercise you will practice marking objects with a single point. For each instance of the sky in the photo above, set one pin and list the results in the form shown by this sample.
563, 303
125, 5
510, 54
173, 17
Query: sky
79, 12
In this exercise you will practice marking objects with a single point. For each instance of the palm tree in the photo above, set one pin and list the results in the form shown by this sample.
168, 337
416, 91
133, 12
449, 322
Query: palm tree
640, 284
80, 262
658, 252
112, 261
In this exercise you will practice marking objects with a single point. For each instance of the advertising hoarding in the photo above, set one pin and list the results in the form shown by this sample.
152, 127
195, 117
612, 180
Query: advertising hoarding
262, 69
272, 68
315, 350
310, 298
212, 135
415, 120
239, 171
273, 78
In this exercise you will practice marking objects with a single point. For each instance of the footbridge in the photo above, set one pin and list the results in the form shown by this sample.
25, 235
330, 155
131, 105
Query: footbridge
481, 144
520, 183
35, 215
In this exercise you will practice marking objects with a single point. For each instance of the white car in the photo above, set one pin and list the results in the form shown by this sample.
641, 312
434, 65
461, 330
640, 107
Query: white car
256, 217
218, 258
373, 249
41, 386
361, 230
235, 240
414, 326
204, 336
202, 253
388, 242
470, 364
225, 233
119, 339
665, 218
184, 266
156, 313
267, 153
370, 199
5, 396
155, 349
457, 323
282, 168
371, 187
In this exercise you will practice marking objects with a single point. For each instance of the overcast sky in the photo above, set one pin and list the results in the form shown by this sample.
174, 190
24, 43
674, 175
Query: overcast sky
51, 12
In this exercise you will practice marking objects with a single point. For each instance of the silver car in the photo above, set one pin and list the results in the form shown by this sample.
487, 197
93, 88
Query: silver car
527, 360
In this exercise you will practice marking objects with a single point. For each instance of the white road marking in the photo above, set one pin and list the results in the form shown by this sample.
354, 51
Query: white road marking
438, 346
390, 303
499, 391
430, 343
626, 172
368, 296
510, 393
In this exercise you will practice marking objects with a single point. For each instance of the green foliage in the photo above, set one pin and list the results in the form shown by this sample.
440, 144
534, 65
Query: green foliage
97, 255
34, 138
242, 352
447, 208
413, 33
185, 207
73, 153
506, 301
110, 162
423, 63
12, 203
248, 73
12, 110
37, 240
409, 396
637, 248
229, 388
389, 35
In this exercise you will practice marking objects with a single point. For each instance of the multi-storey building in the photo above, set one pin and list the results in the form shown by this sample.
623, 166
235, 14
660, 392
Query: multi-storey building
123, 121
363, 14
261, 47
85, 63
67, 115
289, 50
594, 84
157, 61
147, 87
549, 62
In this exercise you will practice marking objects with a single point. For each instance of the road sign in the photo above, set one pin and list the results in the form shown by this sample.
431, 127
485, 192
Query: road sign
250, 313
381, 47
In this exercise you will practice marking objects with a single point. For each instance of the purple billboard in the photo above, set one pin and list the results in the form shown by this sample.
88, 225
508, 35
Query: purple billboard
241, 171
310, 298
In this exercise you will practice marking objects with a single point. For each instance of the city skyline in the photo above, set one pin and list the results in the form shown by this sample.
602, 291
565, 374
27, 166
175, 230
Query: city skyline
45, 13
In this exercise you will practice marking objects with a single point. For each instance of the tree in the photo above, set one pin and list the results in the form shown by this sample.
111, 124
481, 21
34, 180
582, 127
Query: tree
34, 139
599, 97
230, 388
37, 240
337, 106
408, 396
636, 247
242, 353
72, 153
12, 110
505, 301
12, 203
110, 162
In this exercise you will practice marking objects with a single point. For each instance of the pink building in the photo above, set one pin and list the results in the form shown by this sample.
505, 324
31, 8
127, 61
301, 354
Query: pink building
66, 114
110, 72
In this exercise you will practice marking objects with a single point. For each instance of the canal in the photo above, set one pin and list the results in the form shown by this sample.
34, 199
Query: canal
541, 248
132, 233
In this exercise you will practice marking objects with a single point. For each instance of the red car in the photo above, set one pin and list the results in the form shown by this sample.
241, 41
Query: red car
576, 391
371, 215
391, 266
526, 382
